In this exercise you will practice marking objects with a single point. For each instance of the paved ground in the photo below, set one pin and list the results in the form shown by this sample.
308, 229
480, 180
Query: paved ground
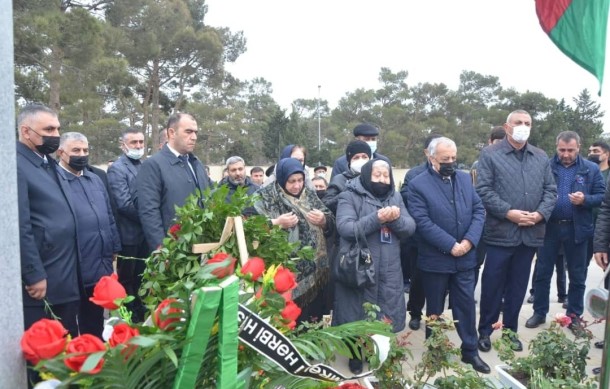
526, 335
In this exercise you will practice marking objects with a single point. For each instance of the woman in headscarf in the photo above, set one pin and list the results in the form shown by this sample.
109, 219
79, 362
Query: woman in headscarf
297, 209
371, 203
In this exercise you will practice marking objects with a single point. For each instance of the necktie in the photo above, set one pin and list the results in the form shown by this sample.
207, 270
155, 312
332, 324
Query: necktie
187, 166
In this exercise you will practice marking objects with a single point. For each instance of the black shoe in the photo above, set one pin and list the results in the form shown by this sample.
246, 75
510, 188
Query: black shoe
530, 299
355, 366
535, 321
516, 344
415, 323
477, 363
564, 305
562, 300
484, 343
599, 344
597, 370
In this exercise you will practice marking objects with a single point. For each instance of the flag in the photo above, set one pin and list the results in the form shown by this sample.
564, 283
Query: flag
578, 28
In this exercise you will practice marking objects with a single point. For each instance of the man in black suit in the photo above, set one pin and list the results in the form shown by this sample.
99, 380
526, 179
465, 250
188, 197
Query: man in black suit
47, 224
167, 178
122, 184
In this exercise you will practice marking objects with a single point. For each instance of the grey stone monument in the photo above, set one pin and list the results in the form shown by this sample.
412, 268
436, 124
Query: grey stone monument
12, 365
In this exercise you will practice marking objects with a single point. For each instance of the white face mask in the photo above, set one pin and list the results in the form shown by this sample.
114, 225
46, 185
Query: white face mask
321, 174
134, 153
521, 133
373, 145
357, 165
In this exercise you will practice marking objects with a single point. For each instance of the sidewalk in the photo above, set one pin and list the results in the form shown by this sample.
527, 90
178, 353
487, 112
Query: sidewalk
525, 334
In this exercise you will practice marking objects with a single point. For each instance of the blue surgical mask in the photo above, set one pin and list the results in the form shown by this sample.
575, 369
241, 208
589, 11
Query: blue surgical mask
373, 145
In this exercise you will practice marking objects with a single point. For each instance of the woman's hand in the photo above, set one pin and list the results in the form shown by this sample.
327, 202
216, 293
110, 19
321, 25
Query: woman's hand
388, 214
286, 220
316, 217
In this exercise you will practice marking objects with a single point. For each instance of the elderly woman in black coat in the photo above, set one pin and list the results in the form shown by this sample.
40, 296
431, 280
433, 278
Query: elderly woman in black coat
288, 203
371, 203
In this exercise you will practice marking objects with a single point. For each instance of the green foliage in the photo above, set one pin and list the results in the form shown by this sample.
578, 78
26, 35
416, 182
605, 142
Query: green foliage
554, 359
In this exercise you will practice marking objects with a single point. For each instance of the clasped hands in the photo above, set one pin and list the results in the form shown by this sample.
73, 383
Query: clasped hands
461, 248
524, 218
289, 220
388, 214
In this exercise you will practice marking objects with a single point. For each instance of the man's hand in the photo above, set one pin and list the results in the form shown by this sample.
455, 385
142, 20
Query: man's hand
37, 291
286, 220
602, 260
316, 217
524, 218
576, 198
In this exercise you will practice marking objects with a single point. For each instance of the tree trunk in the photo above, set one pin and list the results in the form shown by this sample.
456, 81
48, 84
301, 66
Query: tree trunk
57, 56
154, 122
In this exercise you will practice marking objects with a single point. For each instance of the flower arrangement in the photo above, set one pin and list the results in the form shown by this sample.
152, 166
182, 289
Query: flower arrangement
554, 360
149, 355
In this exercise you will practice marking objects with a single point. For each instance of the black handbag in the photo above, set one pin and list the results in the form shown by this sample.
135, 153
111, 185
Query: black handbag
354, 267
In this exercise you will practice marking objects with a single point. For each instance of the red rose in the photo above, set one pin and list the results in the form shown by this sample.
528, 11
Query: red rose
284, 280
107, 290
121, 333
82, 346
173, 230
43, 340
254, 268
222, 272
292, 325
287, 296
165, 309
291, 311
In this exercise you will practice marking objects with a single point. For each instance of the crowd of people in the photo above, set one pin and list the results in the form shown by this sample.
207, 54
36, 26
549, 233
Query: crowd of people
79, 223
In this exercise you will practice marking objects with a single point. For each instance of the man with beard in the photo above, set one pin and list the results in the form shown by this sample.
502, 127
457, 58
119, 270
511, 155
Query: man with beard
236, 177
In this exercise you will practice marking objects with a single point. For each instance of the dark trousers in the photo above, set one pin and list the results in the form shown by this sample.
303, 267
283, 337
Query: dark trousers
461, 290
417, 297
481, 252
91, 316
560, 280
130, 276
558, 234
506, 273
405, 263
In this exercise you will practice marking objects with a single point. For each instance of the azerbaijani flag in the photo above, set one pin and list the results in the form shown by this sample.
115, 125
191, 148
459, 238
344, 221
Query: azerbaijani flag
578, 28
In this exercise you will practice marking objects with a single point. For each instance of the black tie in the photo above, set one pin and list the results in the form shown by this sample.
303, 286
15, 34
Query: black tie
185, 161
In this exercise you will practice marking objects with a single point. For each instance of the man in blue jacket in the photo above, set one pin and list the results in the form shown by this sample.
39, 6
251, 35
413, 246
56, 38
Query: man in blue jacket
449, 217
518, 191
122, 184
47, 225
98, 238
167, 178
580, 188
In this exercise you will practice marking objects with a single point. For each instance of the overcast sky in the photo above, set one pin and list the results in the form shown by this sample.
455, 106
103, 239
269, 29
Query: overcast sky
341, 46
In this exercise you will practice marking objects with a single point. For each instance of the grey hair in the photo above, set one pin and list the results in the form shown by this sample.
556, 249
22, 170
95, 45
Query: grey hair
68, 136
31, 110
517, 111
435, 142
130, 130
233, 160
567, 136
380, 163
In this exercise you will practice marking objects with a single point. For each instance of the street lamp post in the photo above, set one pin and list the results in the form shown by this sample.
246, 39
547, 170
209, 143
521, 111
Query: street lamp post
319, 128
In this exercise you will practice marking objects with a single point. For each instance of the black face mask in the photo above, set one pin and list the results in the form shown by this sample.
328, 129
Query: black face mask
380, 189
78, 162
447, 169
49, 145
320, 193
594, 158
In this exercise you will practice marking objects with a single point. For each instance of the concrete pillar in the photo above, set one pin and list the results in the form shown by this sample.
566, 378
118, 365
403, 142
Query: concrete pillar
12, 366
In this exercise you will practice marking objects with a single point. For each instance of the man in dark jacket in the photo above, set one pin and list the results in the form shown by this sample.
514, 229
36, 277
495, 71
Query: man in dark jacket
47, 225
408, 248
518, 191
122, 183
365, 132
236, 169
167, 178
580, 188
98, 238
449, 217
